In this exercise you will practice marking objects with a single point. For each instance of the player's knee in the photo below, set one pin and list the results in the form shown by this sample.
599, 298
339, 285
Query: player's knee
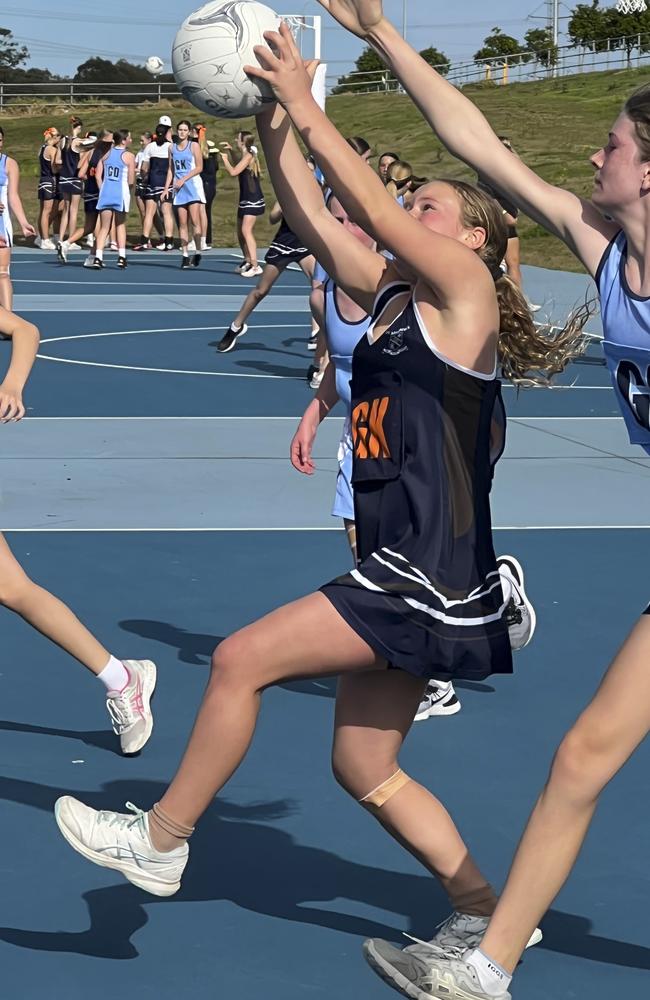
581, 767
231, 661
16, 590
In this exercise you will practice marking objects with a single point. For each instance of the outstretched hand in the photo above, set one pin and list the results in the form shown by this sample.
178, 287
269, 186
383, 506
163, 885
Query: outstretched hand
358, 16
282, 66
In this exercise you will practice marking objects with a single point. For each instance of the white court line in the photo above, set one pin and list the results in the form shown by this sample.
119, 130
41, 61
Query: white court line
169, 371
511, 420
168, 329
124, 286
509, 527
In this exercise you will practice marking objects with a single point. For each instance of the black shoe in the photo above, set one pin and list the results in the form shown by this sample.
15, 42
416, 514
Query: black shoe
121, 262
185, 262
98, 263
311, 371
196, 260
230, 338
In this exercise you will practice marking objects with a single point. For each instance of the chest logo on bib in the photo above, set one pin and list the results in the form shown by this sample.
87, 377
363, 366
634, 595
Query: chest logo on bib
635, 391
368, 435
396, 343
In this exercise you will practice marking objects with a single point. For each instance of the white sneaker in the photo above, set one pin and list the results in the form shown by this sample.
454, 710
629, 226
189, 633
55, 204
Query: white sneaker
439, 699
422, 979
191, 246
312, 343
245, 264
520, 613
47, 245
90, 240
37, 241
455, 935
252, 272
72, 246
316, 379
89, 261
121, 842
130, 709
62, 251
204, 244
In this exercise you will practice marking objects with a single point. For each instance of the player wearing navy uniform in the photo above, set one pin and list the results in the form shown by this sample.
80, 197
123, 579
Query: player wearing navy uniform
115, 176
251, 199
184, 181
154, 168
9, 202
49, 160
70, 184
608, 234
423, 382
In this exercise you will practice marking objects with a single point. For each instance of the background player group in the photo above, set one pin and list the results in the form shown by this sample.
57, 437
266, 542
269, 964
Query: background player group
436, 313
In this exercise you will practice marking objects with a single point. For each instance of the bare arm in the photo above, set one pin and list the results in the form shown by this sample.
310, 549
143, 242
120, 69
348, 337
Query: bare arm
84, 163
241, 166
354, 267
15, 203
467, 135
275, 217
25, 340
451, 269
320, 406
130, 164
99, 172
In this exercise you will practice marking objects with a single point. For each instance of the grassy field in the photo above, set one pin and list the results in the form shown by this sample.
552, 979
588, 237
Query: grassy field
554, 125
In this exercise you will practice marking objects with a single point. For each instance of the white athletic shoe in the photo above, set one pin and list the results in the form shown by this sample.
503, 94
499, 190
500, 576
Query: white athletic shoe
204, 244
121, 841
72, 246
439, 699
47, 245
520, 613
191, 246
252, 272
37, 241
316, 379
89, 261
130, 709
90, 240
62, 251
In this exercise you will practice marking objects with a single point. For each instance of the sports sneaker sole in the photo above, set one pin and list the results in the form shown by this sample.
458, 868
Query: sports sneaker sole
133, 875
390, 975
519, 572
148, 688
440, 711
230, 346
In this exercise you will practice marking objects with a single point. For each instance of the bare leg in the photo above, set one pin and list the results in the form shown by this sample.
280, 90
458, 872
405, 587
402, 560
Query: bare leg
65, 215
271, 650
374, 712
46, 613
255, 296
44, 219
513, 261
197, 214
168, 220
105, 223
248, 225
182, 227
90, 220
6, 288
241, 240
593, 751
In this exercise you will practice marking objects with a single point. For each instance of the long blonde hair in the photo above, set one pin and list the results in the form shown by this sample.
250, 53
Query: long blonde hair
249, 143
527, 356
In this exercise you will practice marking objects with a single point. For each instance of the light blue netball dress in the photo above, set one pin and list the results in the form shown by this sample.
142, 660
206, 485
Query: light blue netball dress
6, 232
342, 338
183, 163
114, 194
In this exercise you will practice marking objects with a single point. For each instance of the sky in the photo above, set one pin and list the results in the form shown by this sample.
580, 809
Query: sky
61, 34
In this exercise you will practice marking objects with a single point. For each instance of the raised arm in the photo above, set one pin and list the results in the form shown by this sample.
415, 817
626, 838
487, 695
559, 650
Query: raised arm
235, 171
467, 135
357, 269
444, 263
25, 340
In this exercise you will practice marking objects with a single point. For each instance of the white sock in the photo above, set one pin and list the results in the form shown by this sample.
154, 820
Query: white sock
99, 254
235, 328
121, 251
114, 676
493, 979
186, 252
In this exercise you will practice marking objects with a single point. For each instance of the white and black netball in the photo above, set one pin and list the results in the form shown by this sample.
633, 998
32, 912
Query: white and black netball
210, 50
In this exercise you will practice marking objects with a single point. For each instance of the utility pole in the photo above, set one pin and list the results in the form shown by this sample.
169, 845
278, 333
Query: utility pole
554, 27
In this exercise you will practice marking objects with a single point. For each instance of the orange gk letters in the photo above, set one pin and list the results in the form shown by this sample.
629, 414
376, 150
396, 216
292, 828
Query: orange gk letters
368, 429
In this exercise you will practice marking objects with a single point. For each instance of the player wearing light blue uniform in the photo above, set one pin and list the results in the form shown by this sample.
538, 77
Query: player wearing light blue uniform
9, 202
115, 176
184, 179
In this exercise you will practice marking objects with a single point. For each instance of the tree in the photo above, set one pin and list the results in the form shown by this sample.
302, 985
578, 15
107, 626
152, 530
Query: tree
502, 48
437, 59
11, 53
587, 27
624, 30
540, 42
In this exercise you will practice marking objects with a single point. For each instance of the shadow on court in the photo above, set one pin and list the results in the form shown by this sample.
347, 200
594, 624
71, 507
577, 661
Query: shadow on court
268, 872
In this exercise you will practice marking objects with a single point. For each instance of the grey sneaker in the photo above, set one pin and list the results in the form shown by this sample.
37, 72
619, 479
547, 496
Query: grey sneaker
130, 709
455, 935
121, 841
450, 978
520, 613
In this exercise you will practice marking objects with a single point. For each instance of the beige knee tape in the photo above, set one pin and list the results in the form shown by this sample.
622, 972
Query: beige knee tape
380, 795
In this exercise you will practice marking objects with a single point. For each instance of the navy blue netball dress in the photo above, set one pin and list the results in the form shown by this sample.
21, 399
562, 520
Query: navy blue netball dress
426, 434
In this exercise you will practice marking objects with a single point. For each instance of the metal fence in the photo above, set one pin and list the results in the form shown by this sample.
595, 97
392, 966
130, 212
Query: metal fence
522, 67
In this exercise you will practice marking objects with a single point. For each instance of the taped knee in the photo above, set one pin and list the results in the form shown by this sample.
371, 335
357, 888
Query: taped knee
5, 272
380, 795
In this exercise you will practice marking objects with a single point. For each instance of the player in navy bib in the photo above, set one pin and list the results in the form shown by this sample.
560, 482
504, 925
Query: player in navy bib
608, 233
251, 198
70, 183
427, 425
49, 162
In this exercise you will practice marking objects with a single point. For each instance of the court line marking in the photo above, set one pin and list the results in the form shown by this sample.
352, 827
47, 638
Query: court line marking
509, 527
170, 371
511, 420
125, 285
167, 329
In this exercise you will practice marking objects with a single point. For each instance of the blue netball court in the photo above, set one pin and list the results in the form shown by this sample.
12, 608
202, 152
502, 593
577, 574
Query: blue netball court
150, 488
